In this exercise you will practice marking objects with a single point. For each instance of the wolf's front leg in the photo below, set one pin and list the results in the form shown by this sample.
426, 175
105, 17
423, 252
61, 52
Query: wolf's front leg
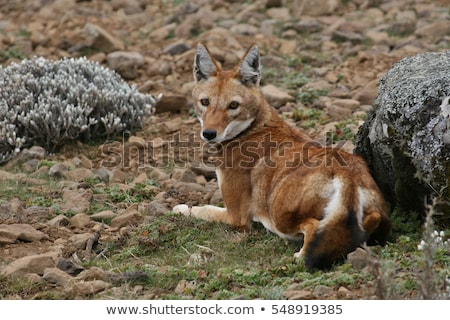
208, 213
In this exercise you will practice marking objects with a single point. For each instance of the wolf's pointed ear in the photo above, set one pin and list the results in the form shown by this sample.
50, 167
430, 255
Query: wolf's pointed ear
250, 68
204, 63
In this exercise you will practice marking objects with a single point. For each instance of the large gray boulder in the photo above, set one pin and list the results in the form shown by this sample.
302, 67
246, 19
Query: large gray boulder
406, 138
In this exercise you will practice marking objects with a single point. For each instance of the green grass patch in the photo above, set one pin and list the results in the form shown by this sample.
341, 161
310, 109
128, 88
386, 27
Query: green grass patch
11, 53
309, 96
222, 262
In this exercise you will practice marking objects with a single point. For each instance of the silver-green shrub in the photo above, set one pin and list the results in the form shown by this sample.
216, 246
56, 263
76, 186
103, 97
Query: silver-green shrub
51, 103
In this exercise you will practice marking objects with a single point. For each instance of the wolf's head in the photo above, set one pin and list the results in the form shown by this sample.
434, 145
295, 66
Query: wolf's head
226, 101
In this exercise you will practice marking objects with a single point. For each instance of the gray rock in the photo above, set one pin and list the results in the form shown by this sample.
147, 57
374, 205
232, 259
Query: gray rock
69, 266
78, 174
358, 258
126, 63
156, 207
118, 176
80, 241
276, 97
58, 221
322, 291
80, 220
177, 48
93, 273
29, 264
101, 39
353, 37
58, 170
129, 217
299, 295
172, 103
103, 215
202, 168
27, 154
88, 288
128, 6
104, 174
56, 276
21, 232
406, 139
76, 200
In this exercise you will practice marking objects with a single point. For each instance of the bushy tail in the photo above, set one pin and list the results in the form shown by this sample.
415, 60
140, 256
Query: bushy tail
333, 240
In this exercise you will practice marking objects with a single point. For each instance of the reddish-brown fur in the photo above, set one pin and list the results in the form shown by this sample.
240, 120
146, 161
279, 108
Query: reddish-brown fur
275, 174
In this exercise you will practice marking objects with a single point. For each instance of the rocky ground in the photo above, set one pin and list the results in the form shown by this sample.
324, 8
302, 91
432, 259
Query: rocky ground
321, 59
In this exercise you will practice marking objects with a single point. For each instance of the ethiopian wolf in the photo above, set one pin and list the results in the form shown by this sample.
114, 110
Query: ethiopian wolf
275, 174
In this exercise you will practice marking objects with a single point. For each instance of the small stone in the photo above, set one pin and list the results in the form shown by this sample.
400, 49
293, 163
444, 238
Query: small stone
58, 221
56, 276
344, 293
21, 232
58, 170
103, 215
29, 264
358, 258
299, 295
185, 287
86, 162
118, 176
79, 241
183, 175
104, 174
157, 174
129, 217
156, 207
349, 104
80, 220
69, 266
276, 97
34, 278
140, 179
177, 48
172, 125
126, 63
78, 174
77, 200
172, 103
321, 291
208, 171
101, 39
88, 288
93, 273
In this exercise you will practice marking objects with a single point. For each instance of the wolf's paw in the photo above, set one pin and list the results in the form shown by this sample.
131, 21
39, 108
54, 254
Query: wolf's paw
182, 209
299, 255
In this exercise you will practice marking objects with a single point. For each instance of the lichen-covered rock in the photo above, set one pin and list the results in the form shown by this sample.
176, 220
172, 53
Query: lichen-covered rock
406, 139
50, 103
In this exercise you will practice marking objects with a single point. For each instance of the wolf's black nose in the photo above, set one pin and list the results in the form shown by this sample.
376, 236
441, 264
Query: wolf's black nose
209, 134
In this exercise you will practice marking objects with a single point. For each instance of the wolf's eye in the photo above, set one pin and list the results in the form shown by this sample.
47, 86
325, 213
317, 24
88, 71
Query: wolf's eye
204, 102
233, 105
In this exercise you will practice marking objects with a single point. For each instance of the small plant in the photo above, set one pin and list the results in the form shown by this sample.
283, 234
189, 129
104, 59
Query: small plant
12, 53
289, 78
434, 251
307, 117
425, 267
51, 103
309, 95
